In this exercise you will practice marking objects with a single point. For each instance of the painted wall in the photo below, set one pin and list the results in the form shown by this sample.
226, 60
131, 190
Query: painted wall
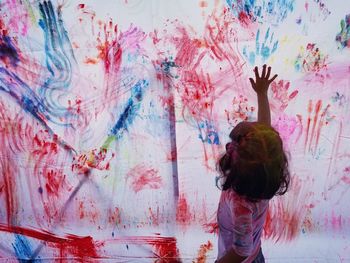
113, 114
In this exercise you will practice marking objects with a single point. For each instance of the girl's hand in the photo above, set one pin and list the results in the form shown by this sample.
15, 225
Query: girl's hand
261, 84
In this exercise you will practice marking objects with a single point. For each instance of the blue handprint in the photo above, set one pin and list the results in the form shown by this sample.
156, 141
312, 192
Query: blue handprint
272, 11
263, 50
208, 133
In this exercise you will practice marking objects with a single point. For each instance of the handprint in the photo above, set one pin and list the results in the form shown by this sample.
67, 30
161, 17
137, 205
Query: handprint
263, 50
241, 111
208, 133
281, 96
310, 59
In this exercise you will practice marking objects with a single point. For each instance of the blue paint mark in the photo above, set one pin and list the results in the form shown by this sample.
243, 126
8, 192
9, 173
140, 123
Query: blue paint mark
343, 37
270, 11
130, 111
59, 52
262, 49
8, 51
208, 133
23, 249
44, 105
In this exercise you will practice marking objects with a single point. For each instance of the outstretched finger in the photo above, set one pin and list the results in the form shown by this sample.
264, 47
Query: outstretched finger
263, 71
273, 78
252, 83
256, 71
268, 72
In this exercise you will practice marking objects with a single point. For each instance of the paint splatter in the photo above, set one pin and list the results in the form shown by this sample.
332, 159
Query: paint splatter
343, 37
310, 59
241, 111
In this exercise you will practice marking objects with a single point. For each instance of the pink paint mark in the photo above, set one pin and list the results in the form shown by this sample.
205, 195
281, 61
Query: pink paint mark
143, 177
281, 96
315, 119
287, 127
346, 177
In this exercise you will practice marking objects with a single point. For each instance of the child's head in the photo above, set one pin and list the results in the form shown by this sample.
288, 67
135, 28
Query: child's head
255, 165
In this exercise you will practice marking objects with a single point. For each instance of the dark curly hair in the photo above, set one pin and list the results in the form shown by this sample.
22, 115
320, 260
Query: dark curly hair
255, 165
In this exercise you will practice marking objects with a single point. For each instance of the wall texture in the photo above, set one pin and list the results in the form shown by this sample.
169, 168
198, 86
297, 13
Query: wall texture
113, 114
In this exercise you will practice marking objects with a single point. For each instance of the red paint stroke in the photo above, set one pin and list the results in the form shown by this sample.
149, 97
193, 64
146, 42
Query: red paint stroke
287, 213
309, 110
202, 252
55, 182
143, 177
315, 119
183, 213
164, 249
322, 123
8, 182
82, 248
318, 121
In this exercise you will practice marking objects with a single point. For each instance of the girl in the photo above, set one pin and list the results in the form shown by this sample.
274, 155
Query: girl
254, 169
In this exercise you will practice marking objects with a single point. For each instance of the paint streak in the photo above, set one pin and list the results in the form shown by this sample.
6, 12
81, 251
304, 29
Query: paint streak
22, 248
183, 212
202, 252
143, 177
286, 214
316, 124
128, 115
163, 249
83, 248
